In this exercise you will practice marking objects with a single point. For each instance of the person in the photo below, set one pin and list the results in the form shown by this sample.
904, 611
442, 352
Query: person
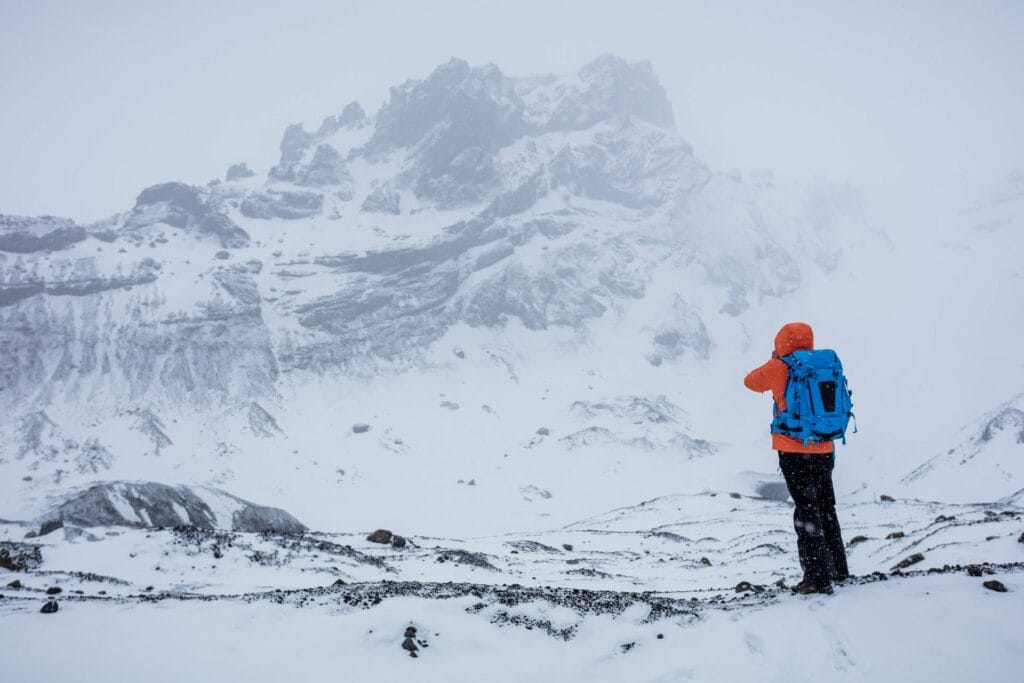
807, 467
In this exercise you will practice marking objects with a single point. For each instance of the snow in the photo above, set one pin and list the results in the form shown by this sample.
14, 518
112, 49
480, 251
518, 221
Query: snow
937, 628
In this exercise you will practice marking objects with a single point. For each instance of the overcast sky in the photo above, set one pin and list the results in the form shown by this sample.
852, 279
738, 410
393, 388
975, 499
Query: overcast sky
101, 99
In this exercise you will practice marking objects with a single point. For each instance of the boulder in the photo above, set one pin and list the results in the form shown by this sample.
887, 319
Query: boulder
20, 557
909, 561
380, 536
150, 504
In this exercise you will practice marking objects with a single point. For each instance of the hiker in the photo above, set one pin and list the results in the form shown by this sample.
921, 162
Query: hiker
812, 407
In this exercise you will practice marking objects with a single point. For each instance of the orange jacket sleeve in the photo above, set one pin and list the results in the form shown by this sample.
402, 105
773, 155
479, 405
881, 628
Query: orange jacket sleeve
760, 379
769, 377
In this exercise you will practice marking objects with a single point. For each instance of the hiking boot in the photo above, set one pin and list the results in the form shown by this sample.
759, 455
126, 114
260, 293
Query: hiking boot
806, 587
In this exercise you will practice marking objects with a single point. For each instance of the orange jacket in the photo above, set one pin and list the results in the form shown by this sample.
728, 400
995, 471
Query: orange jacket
772, 377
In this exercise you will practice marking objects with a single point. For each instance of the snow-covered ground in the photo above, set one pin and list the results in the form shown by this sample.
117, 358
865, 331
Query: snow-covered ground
676, 588
930, 628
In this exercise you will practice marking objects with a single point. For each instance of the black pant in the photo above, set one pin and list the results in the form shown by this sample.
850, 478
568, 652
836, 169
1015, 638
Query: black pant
818, 537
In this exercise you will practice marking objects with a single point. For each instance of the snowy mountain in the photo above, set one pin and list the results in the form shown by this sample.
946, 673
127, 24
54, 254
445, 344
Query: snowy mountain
474, 231
507, 318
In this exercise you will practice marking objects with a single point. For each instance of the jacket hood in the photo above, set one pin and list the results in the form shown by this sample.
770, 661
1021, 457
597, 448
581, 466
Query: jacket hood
793, 337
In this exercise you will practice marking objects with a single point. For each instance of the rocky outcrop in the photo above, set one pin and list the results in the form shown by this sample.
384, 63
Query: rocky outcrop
382, 200
238, 171
80, 279
20, 557
296, 143
682, 333
183, 206
282, 204
149, 504
27, 234
261, 422
327, 167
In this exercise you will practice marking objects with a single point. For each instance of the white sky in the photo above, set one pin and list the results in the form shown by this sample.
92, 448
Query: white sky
904, 99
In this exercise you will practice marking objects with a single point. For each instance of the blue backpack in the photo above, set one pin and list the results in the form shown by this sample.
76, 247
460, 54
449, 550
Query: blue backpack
818, 405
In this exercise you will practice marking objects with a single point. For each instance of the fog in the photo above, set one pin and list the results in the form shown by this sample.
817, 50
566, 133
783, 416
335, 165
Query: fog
911, 101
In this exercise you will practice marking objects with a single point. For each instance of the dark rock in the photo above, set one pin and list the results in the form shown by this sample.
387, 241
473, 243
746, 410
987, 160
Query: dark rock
705, 561
50, 607
773, 490
744, 586
781, 583
735, 495
886, 499
19, 557
50, 525
237, 171
410, 647
325, 168
398, 542
1009, 418
14, 584
912, 560
108, 503
54, 590
543, 431
261, 422
380, 536
1021, 538
465, 557
974, 570
26, 234
567, 546
382, 200
572, 561
360, 428
184, 207
258, 518
660, 636
856, 539
286, 205
626, 647
222, 255
944, 518
996, 586
894, 535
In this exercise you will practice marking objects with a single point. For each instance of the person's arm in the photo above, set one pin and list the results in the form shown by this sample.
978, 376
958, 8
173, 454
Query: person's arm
760, 379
